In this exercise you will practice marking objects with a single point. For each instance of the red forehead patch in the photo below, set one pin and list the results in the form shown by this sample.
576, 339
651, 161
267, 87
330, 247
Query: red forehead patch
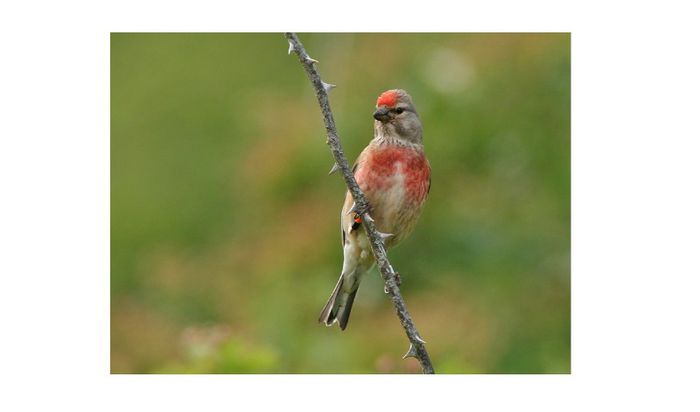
387, 98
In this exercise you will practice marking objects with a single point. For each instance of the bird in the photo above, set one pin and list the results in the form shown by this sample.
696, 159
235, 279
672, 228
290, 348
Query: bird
395, 176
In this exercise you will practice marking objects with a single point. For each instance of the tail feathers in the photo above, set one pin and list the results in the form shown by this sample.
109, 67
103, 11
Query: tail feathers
338, 306
344, 310
329, 312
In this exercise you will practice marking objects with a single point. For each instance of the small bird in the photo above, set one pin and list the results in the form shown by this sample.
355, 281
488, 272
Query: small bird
394, 175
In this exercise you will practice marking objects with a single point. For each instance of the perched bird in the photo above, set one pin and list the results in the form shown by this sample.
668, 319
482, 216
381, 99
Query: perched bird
394, 175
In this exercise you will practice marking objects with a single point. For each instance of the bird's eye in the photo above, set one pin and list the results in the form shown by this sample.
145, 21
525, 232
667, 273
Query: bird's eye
399, 110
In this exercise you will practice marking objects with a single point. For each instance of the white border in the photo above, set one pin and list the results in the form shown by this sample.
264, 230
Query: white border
635, 209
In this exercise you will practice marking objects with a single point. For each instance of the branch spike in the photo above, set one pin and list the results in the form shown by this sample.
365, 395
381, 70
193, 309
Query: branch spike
412, 353
327, 86
418, 338
291, 47
355, 208
311, 60
334, 169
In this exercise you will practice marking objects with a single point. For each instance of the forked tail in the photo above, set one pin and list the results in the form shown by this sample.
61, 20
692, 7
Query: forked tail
338, 306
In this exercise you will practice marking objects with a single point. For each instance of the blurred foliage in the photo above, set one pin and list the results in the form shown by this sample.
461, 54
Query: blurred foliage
224, 236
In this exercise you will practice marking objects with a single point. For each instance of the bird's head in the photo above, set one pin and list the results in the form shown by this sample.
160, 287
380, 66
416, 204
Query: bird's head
396, 117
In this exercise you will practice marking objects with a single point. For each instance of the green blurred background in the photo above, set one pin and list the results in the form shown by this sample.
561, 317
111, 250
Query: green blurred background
225, 238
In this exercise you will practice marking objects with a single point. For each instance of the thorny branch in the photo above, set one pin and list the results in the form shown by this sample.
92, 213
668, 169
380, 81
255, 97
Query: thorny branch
417, 347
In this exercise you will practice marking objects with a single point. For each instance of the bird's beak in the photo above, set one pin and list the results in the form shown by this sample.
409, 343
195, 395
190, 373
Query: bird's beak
381, 114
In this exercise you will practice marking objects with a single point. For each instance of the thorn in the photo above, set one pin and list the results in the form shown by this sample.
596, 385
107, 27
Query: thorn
355, 208
384, 236
334, 169
311, 60
327, 86
418, 338
412, 353
291, 47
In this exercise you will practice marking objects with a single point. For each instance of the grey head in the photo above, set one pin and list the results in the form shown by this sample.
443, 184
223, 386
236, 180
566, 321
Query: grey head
396, 118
